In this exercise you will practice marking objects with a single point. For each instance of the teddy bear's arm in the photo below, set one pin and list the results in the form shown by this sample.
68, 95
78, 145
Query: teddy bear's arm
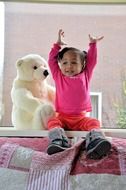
51, 93
23, 99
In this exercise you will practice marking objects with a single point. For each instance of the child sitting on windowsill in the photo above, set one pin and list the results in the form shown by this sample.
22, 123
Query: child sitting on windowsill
72, 71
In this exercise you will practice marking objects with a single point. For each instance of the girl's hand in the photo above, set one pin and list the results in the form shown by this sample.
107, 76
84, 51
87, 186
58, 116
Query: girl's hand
95, 39
60, 38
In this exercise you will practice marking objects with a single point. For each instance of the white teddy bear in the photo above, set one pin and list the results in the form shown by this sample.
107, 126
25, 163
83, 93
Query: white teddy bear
32, 96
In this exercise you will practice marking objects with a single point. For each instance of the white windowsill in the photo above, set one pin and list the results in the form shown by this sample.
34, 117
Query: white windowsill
12, 132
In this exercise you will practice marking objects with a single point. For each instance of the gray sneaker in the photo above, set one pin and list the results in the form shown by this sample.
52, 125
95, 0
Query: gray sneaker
98, 148
97, 145
57, 145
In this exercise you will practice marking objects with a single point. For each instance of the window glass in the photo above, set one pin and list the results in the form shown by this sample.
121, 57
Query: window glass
32, 28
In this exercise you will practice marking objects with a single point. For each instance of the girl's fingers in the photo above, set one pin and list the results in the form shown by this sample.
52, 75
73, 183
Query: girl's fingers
62, 33
95, 38
100, 38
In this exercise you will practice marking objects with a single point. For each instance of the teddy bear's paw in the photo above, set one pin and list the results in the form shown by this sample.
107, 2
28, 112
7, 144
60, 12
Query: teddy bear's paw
48, 110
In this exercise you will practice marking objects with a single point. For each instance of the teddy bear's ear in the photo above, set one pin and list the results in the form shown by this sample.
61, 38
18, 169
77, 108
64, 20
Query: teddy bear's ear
19, 62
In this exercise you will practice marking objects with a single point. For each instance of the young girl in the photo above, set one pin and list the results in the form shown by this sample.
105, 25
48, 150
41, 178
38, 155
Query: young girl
72, 71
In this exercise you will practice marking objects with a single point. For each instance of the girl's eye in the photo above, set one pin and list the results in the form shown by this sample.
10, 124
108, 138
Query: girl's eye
74, 63
64, 63
35, 67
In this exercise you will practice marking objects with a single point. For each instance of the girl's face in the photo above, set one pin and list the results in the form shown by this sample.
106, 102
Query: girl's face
71, 64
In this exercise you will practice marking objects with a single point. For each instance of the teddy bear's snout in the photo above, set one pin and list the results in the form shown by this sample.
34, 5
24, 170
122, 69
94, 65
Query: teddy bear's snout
45, 73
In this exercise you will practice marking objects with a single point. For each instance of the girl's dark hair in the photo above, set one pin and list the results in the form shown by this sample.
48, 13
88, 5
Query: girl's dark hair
83, 54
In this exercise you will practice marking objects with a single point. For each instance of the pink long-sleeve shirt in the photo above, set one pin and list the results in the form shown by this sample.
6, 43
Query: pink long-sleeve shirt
72, 93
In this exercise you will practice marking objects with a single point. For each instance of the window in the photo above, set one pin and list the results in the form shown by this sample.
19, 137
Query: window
96, 99
27, 27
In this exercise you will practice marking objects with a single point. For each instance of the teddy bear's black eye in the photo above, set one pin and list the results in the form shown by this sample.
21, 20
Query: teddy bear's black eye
35, 67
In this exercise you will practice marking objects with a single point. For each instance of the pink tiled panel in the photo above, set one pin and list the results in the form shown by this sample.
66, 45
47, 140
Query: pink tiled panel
29, 30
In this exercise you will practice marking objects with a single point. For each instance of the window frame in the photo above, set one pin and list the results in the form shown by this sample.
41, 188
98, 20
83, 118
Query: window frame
99, 101
12, 132
1, 57
71, 1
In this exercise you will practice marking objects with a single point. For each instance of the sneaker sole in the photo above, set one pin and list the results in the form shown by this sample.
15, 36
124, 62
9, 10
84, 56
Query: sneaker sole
100, 150
53, 149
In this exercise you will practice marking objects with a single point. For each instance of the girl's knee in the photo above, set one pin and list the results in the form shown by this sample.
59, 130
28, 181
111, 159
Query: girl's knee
54, 122
93, 124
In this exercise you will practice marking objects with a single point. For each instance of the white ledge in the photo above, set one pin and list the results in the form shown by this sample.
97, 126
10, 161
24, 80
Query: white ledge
12, 132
